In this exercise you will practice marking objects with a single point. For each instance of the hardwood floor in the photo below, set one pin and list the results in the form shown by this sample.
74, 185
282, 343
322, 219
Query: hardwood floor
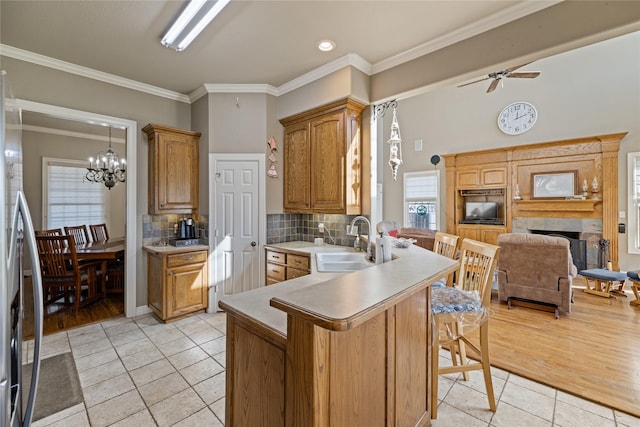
60, 317
592, 352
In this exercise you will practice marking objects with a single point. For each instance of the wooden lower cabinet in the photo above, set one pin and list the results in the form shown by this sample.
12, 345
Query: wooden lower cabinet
377, 373
282, 264
177, 283
481, 233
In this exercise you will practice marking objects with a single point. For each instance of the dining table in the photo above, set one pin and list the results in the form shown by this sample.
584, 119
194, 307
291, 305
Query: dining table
101, 250
106, 252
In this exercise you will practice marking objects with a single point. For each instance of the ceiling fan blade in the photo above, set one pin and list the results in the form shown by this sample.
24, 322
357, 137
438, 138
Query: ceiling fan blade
493, 85
525, 74
475, 81
516, 67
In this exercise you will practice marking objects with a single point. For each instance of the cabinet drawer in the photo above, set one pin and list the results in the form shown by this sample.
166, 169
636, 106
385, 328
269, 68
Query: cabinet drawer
292, 273
298, 261
275, 271
186, 258
276, 257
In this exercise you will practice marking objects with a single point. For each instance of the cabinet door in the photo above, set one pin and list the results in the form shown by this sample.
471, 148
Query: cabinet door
186, 289
469, 232
296, 174
177, 174
490, 234
155, 285
494, 177
292, 273
328, 151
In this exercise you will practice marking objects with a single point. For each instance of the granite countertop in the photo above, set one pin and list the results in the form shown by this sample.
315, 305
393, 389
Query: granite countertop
336, 301
168, 249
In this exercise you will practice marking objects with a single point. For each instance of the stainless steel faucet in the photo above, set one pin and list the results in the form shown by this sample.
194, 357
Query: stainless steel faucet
351, 231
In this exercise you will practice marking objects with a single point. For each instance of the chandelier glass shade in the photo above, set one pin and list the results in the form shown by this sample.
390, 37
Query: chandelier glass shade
108, 168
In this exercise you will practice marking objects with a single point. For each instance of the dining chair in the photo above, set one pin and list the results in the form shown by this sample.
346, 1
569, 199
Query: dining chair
99, 232
446, 244
459, 310
63, 275
79, 232
50, 232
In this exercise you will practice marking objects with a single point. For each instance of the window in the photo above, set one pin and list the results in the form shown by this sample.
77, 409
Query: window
421, 199
69, 199
634, 203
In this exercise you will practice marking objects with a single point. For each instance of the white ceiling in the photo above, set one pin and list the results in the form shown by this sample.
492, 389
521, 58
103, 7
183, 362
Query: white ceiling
250, 42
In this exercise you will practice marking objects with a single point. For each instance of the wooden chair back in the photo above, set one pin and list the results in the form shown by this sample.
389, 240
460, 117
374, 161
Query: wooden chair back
477, 265
56, 254
79, 232
446, 244
61, 271
99, 232
50, 232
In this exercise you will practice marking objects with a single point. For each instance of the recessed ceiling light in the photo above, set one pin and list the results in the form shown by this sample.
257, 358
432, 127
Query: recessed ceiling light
326, 45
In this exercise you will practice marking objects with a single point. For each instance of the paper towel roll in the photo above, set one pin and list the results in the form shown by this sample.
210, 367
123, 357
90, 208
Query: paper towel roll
379, 250
386, 249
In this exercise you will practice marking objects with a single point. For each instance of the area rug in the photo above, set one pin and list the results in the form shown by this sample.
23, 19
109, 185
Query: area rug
58, 385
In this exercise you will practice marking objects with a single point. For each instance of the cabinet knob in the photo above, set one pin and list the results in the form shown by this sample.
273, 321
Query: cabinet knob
253, 243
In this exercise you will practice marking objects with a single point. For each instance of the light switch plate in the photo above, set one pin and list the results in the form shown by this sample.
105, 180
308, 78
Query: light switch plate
418, 145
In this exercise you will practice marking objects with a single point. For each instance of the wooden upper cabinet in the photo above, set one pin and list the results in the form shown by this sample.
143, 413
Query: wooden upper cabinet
482, 177
323, 160
173, 170
328, 155
297, 158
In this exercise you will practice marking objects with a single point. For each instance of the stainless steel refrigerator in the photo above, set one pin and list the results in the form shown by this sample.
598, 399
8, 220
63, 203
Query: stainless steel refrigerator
17, 242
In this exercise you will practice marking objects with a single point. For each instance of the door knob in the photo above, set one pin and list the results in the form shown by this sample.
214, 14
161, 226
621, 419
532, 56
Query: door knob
253, 243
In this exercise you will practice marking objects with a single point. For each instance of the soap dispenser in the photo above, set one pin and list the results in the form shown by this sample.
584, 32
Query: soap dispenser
356, 244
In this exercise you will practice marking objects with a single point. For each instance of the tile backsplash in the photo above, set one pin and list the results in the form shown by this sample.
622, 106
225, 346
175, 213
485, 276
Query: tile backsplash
156, 228
290, 227
280, 228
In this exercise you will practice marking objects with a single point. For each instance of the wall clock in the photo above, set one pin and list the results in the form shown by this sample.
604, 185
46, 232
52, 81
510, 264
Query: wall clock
517, 118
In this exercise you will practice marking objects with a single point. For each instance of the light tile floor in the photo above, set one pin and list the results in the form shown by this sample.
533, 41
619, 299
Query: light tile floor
140, 372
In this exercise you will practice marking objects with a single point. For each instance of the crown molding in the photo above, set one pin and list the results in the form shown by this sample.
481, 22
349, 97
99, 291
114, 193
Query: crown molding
232, 88
45, 61
71, 134
478, 27
350, 59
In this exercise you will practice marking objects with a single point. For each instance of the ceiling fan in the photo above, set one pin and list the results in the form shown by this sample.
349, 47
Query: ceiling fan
508, 73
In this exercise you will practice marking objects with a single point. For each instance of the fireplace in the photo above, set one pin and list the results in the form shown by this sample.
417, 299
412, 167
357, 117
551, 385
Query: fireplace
577, 246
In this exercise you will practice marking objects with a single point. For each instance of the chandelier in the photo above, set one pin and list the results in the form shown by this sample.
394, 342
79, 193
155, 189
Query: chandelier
108, 168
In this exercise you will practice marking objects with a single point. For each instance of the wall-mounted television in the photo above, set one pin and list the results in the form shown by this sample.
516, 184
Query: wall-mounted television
481, 212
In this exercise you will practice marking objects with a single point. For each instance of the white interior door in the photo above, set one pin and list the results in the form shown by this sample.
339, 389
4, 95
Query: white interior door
237, 225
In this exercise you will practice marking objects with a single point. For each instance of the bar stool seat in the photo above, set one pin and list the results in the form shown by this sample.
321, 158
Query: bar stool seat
606, 283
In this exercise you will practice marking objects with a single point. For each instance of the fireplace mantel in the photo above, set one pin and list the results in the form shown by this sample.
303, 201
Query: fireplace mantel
504, 168
557, 206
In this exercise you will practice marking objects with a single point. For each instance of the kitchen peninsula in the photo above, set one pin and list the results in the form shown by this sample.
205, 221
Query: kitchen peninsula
331, 349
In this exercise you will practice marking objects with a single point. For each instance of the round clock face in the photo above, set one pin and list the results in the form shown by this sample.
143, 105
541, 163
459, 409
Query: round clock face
517, 118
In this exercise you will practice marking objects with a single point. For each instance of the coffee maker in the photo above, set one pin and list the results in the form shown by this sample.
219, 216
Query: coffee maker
186, 233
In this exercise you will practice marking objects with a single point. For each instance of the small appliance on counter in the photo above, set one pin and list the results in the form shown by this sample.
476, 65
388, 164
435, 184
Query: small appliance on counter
185, 233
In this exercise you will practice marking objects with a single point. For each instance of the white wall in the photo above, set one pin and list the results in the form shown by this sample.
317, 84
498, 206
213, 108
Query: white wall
590, 91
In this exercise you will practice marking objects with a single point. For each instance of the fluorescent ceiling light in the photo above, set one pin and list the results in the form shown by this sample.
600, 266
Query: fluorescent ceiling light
191, 22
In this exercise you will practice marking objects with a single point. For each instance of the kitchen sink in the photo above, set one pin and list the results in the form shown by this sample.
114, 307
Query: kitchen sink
341, 262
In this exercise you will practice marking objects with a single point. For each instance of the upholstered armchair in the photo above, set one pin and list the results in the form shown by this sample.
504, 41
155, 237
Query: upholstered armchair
536, 268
